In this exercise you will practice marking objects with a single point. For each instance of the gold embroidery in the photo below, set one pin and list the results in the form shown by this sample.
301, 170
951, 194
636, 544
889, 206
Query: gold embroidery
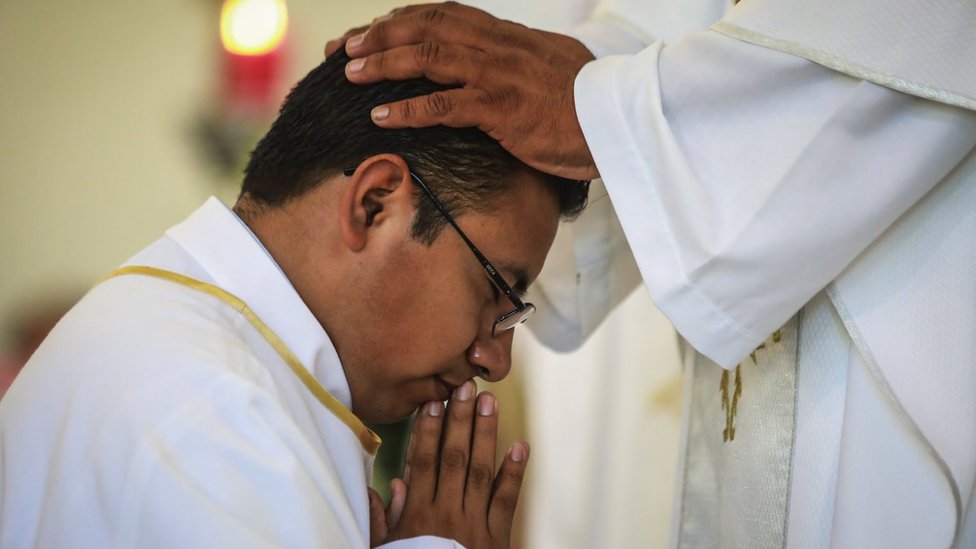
731, 408
752, 355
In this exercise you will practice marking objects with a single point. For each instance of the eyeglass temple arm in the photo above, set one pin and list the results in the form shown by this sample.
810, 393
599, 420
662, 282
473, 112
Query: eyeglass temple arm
496, 278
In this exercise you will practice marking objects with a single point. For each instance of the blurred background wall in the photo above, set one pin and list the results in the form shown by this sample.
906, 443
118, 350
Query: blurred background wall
108, 111
101, 107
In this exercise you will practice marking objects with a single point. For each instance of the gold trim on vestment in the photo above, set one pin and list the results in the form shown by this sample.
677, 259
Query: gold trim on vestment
369, 440
731, 407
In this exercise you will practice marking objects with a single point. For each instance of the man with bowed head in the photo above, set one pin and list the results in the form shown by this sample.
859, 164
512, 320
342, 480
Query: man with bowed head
212, 391
798, 187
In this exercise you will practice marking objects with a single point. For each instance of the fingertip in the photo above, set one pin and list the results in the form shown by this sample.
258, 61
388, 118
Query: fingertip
355, 43
380, 113
398, 499
434, 408
519, 452
487, 404
397, 490
354, 66
467, 390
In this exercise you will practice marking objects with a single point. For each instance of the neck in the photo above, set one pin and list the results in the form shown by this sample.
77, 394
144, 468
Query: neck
301, 245
303, 236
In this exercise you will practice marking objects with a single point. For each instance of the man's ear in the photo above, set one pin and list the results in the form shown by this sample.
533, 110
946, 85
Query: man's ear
380, 193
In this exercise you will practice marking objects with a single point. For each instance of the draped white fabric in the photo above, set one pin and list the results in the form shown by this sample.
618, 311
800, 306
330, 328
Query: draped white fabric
746, 180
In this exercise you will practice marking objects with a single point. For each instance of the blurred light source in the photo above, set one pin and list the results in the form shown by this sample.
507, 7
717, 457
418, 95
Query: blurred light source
254, 59
253, 27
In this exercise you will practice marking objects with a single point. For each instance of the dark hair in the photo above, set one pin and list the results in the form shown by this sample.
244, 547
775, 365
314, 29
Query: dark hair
324, 127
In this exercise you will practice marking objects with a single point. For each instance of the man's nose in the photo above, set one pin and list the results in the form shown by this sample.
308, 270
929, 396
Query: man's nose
492, 355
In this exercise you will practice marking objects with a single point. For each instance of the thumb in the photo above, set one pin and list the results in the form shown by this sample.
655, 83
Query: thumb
378, 530
399, 498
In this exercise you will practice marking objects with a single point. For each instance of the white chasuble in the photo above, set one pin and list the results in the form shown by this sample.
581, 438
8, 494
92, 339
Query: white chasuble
785, 175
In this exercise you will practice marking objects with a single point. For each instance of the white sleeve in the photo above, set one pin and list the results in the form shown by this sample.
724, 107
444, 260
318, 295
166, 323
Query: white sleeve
747, 179
590, 269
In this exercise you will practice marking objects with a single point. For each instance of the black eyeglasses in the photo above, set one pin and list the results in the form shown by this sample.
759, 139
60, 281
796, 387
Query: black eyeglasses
506, 321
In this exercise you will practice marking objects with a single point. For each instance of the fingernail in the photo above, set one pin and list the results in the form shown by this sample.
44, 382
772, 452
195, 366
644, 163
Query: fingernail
486, 405
518, 453
464, 392
434, 409
380, 113
356, 41
355, 65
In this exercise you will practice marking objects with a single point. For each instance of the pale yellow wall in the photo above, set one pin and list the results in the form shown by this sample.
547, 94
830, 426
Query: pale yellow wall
97, 104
